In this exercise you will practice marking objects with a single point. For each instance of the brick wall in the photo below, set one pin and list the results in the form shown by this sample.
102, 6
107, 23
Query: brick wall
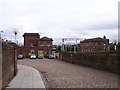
9, 63
31, 39
108, 61
0, 65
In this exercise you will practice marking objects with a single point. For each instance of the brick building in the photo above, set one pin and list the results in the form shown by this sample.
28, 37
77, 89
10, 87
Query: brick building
94, 45
34, 44
46, 44
31, 39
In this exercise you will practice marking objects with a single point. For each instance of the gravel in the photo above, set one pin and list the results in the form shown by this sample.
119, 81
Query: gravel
59, 74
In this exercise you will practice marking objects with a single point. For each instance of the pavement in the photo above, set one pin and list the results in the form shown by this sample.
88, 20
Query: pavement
27, 77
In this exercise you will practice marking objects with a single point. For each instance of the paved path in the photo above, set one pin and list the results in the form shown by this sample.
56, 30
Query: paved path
59, 74
27, 77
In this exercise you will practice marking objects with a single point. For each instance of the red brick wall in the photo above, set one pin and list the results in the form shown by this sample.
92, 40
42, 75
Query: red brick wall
31, 39
108, 61
9, 63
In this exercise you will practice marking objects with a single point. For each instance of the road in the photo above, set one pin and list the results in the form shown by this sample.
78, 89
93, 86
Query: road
59, 74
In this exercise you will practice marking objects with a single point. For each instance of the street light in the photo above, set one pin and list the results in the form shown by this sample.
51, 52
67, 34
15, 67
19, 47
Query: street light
115, 43
15, 31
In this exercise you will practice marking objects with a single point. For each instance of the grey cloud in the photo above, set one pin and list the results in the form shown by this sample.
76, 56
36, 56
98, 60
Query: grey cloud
104, 26
59, 18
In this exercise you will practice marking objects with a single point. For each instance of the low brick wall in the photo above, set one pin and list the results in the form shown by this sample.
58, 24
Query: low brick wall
108, 61
9, 63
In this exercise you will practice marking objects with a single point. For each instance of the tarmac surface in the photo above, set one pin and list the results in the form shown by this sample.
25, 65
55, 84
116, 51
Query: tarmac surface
59, 74
27, 77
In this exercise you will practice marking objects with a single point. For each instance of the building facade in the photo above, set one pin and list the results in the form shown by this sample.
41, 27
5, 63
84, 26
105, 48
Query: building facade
94, 45
31, 39
33, 44
46, 44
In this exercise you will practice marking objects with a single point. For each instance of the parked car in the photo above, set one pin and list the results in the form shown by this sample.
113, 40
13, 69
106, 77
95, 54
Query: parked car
40, 57
20, 56
50, 56
46, 55
32, 56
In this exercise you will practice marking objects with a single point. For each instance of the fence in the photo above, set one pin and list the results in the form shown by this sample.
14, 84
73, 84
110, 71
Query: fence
108, 61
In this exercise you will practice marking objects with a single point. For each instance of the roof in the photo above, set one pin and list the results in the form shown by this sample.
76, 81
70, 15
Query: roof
46, 39
31, 34
94, 40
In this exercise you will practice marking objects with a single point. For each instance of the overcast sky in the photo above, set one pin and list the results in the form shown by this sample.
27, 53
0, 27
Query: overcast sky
60, 18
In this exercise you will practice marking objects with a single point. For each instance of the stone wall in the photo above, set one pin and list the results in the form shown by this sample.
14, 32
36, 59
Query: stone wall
108, 61
9, 63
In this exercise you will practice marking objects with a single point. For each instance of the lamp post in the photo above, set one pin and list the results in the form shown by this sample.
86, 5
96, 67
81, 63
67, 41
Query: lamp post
74, 48
115, 43
15, 31
62, 44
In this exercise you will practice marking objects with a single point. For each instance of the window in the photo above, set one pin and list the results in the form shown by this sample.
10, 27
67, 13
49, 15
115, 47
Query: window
41, 43
31, 44
48, 42
98, 43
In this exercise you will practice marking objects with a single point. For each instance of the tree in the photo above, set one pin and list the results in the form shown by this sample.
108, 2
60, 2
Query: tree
118, 46
58, 48
112, 46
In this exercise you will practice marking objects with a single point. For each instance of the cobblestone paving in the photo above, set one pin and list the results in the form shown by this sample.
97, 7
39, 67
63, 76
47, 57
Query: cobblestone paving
59, 74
